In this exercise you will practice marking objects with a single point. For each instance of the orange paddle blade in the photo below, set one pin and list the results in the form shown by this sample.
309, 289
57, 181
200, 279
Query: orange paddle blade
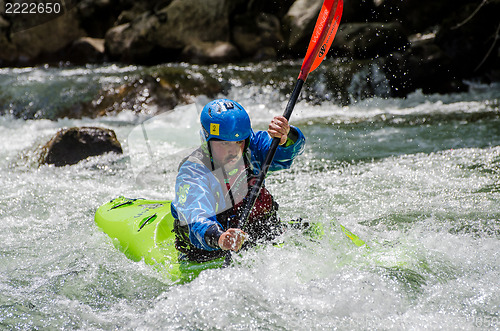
323, 35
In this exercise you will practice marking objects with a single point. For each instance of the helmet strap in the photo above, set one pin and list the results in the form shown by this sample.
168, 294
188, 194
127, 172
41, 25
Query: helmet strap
210, 155
247, 144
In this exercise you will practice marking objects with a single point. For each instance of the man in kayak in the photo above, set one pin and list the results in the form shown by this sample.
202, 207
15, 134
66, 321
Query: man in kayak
214, 181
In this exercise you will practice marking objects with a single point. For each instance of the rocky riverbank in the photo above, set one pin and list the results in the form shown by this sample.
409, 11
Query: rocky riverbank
428, 45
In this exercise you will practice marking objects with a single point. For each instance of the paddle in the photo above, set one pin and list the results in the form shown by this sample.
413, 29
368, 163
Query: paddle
322, 37
321, 40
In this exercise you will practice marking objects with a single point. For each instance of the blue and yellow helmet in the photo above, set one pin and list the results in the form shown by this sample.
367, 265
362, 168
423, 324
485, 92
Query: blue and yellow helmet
225, 119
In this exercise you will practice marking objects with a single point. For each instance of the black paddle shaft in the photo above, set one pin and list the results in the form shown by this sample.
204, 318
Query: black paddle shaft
255, 190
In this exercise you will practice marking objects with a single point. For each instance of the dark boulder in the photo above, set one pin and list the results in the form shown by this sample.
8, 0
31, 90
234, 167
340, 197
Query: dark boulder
358, 11
470, 37
210, 52
299, 23
258, 36
98, 16
417, 15
370, 40
8, 51
27, 44
274, 7
132, 42
158, 91
423, 66
86, 50
464, 44
173, 32
70, 146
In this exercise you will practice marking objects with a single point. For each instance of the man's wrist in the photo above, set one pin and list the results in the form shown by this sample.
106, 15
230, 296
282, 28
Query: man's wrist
291, 137
213, 234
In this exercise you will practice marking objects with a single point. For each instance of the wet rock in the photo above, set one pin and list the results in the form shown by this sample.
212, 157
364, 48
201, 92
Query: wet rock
277, 8
252, 34
50, 37
144, 95
174, 32
70, 146
269, 31
358, 11
128, 16
432, 70
416, 15
299, 23
26, 17
8, 51
97, 16
210, 52
247, 40
157, 92
186, 22
4, 24
151, 32
86, 50
132, 42
424, 66
265, 54
470, 37
370, 40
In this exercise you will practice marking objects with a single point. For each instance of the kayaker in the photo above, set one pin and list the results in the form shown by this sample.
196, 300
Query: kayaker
214, 180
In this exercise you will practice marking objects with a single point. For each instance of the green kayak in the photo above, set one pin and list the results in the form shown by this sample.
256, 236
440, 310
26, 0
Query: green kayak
142, 230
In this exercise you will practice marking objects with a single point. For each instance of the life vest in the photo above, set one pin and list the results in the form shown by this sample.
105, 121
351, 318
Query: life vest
262, 221
262, 224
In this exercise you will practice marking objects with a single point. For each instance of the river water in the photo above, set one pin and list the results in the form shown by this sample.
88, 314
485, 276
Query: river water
418, 179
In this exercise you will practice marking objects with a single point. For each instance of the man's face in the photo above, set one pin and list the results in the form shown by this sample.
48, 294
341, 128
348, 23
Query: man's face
227, 153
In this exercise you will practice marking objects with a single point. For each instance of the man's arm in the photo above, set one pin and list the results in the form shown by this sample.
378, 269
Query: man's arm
285, 154
196, 204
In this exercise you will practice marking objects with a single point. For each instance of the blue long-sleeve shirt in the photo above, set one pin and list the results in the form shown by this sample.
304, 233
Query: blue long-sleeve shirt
199, 194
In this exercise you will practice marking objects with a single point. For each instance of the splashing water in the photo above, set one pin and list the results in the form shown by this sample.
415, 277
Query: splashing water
418, 179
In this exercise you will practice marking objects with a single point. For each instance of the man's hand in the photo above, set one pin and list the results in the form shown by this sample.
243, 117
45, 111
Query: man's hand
232, 239
279, 128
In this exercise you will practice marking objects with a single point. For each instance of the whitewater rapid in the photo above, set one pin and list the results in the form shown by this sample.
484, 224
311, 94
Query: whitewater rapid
418, 179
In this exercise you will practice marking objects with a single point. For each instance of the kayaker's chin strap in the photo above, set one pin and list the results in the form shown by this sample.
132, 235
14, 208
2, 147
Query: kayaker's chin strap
209, 148
229, 188
226, 180
247, 169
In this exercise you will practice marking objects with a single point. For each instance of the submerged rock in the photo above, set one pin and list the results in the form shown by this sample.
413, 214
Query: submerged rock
70, 146
157, 91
